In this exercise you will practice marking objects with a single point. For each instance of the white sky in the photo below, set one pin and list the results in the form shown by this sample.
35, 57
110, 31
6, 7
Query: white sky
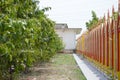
77, 12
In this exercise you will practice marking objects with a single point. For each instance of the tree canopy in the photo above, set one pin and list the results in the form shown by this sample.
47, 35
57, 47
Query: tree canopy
91, 23
27, 36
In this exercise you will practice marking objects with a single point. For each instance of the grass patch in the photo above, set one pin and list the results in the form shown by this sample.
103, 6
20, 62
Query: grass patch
68, 62
62, 67
62, 59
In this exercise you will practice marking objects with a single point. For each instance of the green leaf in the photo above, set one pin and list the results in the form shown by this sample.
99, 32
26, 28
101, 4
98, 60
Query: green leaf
10, 56
26, 40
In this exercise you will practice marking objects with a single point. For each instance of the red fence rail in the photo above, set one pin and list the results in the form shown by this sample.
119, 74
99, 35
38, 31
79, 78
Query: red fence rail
102, 45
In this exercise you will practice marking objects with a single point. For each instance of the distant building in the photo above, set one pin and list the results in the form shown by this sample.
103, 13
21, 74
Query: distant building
68, 35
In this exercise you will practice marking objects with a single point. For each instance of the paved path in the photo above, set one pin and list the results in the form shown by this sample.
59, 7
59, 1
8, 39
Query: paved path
90, 72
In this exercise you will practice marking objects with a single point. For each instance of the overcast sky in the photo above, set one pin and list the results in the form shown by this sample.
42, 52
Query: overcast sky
77, 12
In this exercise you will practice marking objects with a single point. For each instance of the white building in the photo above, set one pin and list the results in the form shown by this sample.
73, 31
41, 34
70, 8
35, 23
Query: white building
68, 35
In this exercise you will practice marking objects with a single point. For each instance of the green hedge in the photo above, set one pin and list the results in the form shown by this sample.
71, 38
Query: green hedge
26, 36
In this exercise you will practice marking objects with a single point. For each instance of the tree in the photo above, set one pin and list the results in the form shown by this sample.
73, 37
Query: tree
26, 36
92, 22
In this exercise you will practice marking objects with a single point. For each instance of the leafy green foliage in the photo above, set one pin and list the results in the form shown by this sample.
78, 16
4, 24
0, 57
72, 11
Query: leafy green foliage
115, 15
92, 22
26, 36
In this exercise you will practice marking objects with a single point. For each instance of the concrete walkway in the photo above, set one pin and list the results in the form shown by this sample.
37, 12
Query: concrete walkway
90, 72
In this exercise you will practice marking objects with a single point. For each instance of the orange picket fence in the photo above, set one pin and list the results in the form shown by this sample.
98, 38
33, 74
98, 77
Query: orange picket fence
101, 46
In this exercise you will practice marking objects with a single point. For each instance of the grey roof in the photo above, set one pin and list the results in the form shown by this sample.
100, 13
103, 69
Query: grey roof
61, 26
64, 26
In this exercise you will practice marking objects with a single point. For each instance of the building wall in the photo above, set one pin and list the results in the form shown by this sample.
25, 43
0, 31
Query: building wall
68, 36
